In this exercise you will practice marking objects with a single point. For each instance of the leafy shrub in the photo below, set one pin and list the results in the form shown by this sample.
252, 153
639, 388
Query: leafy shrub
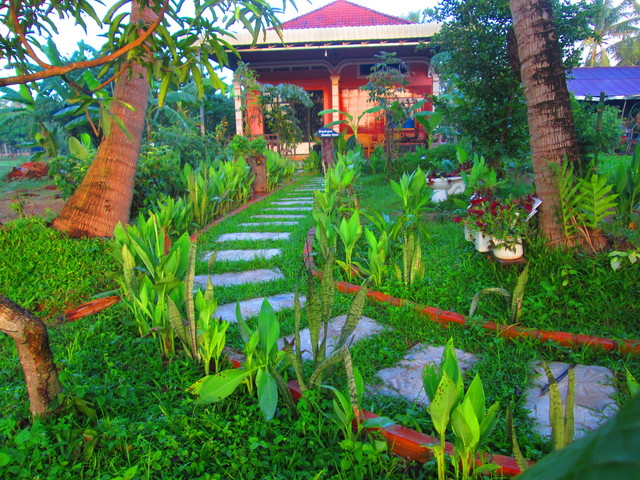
194, 148
426, 159
585, 117
155, 176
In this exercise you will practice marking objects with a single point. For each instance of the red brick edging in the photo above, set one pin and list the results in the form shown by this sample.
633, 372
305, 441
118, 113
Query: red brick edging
508, 331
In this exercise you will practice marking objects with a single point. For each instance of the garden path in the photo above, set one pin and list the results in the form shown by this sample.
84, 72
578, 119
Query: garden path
594, 395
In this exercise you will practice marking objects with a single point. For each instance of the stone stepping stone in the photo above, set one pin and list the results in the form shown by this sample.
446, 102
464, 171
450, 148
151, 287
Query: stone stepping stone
239, 278
288, 209
298, 198
405, 379
243, 255
266, 224
229, 237
251, 307
279, 217
293, 202
593, 403
367, 327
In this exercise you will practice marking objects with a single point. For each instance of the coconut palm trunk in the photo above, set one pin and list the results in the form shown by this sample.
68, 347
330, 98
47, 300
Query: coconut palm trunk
549, 112
104, 197
36, 358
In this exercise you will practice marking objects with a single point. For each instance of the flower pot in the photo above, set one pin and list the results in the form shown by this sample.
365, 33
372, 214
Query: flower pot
510, 251
469, 234
482, 241
443, 187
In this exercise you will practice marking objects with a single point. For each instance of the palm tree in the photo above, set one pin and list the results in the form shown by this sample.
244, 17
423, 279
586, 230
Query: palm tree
415, 16
615, 33
552, 132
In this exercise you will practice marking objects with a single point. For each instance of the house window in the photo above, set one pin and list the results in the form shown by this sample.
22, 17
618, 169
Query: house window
365, 69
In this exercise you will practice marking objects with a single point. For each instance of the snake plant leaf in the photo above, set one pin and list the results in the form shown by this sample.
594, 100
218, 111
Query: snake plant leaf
609, 452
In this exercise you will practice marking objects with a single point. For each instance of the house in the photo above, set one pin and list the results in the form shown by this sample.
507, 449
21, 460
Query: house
330, 52
621, 86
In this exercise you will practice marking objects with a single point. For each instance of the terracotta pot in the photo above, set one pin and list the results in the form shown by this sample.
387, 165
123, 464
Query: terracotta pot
508, 252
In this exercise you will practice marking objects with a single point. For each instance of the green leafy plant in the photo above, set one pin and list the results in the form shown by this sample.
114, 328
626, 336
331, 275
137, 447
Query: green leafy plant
627, 185
260, 370
202, 335
515, 310
481, 178
377, 252
349, 233
561, 418
471, 422
320, 299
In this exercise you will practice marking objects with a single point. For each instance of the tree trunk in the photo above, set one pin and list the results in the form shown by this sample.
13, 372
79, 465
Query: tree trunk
104, 197
32, 340
553, 135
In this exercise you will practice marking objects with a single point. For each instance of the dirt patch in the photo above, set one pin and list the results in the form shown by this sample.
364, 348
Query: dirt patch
37, 202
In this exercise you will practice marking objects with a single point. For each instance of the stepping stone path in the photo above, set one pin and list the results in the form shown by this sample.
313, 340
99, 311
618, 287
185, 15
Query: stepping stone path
405, 379
251, 308
243, 255
230, 237
594, 393
593, 402
366, 328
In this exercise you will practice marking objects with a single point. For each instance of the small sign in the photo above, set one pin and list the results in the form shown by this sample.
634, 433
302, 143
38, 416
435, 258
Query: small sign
326, 132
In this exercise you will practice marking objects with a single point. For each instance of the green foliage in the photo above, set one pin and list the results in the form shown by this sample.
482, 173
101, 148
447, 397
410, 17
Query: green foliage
278, 107
260, 370
562, 422
349, 233
425, 158
279, 169
241, 146
483, 96
627, 184
597, 126
517, 298
466, 412
481, 177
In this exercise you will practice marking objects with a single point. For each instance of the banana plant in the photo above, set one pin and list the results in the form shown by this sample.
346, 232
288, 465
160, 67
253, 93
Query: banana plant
349, 232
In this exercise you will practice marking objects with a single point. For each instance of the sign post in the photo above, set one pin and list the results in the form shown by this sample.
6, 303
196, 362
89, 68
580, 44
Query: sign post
327, 137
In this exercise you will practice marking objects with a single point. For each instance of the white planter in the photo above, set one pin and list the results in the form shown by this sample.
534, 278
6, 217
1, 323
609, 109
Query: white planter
504, 252
469, 234
482, 241
443, 187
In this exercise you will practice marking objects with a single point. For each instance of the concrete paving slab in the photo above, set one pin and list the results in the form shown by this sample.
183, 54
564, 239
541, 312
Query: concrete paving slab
239, 278
293, 202
287, 209
366, 328
229, 237
297, 198
405, 379
593, 404
251, 307
266, 224
278, 217
243, 255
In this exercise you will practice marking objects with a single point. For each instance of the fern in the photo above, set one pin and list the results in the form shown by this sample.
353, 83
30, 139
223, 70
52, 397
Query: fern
596, 202
569, 197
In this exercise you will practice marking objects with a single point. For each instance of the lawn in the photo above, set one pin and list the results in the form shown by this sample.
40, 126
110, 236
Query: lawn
127, 414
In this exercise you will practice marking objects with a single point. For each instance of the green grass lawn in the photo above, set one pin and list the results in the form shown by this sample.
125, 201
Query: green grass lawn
127, 414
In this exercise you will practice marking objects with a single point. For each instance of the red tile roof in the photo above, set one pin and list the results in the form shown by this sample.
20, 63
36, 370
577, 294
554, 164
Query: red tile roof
342, 13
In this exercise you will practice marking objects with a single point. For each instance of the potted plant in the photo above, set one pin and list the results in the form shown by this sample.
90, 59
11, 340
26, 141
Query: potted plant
445, 180
507, 223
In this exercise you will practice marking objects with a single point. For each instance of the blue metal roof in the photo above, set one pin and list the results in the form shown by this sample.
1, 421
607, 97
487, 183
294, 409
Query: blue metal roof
618, 83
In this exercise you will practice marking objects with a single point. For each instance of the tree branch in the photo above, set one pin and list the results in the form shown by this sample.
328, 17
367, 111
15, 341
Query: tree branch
54, 71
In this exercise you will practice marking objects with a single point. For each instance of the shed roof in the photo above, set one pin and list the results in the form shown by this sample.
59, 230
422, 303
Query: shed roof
618, 83
342, 13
